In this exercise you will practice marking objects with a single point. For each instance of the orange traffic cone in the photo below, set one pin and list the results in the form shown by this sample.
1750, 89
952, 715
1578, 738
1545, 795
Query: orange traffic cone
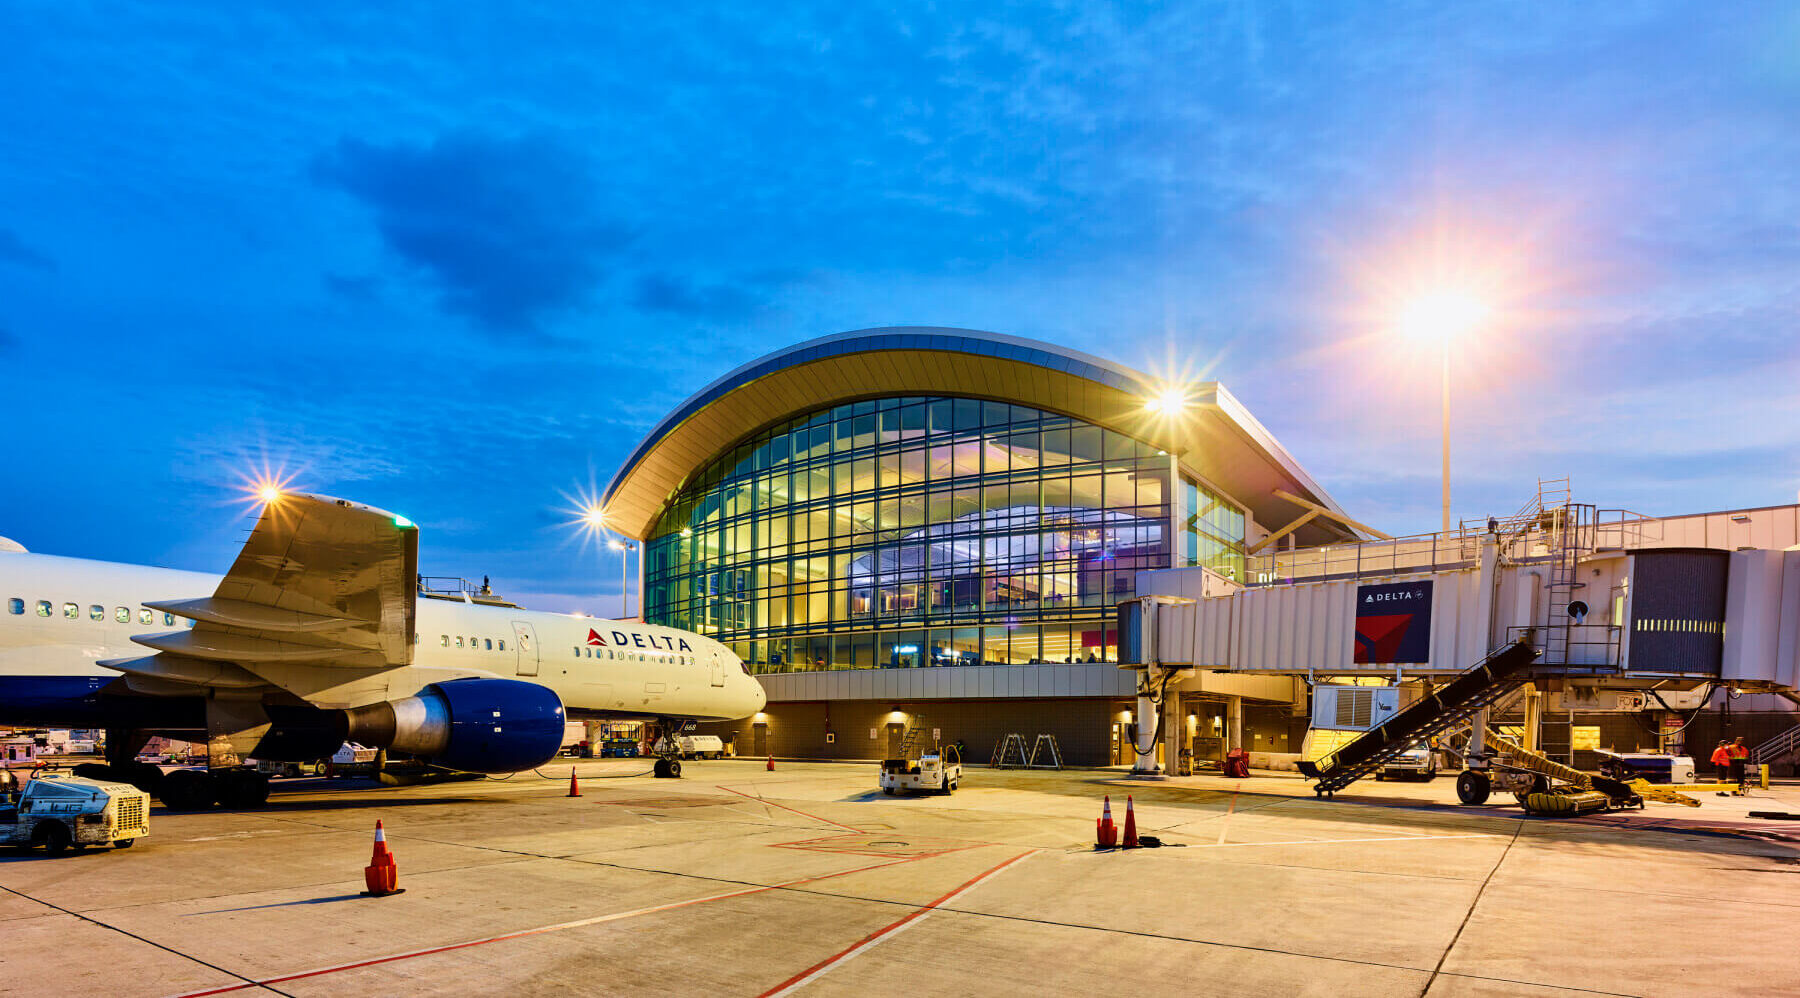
1105, 835
574, 787
1131, 839
381, 875
771, 766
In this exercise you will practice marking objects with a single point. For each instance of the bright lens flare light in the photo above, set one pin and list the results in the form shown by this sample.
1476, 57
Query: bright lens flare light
268, 493
1442, 316
1168, 403
594, 517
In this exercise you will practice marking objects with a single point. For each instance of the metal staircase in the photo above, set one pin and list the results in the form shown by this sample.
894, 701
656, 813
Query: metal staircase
1777, 749
1472, 691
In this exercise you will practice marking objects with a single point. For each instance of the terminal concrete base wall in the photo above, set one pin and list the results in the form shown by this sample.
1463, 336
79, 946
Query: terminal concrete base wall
1087, 730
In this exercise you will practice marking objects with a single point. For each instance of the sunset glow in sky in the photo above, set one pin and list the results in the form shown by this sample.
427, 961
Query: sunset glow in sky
454, 260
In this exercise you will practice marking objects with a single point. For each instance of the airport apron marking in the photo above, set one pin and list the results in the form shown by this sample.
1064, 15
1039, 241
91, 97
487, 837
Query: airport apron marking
784, 807
541, 930
875, 938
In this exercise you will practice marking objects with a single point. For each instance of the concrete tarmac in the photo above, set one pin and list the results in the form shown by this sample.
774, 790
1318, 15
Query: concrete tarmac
809, 881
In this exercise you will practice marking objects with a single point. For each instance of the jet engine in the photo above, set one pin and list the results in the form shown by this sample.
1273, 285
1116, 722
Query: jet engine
472, 725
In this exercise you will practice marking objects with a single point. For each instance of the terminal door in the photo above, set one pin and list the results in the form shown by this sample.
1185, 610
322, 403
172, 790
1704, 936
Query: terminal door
759, 739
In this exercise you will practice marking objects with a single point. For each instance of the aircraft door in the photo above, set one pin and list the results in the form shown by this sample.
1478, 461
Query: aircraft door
718, 669
525, 642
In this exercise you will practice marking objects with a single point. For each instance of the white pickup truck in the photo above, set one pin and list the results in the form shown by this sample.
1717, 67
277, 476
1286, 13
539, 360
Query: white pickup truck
57, 811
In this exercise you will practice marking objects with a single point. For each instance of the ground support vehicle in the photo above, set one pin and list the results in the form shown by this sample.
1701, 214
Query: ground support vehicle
701, 746
58, 812
1416, 763
932, 772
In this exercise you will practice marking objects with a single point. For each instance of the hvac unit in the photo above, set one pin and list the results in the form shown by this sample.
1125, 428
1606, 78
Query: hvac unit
1353, 708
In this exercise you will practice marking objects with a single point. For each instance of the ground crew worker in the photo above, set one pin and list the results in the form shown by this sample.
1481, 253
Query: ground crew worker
1721, 759
1740, 756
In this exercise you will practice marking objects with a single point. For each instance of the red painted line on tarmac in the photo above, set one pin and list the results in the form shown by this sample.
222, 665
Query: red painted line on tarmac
809, 974
541, 930
784, 807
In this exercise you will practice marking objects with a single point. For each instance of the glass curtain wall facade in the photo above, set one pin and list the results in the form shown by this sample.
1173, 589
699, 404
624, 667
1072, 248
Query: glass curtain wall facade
906, 532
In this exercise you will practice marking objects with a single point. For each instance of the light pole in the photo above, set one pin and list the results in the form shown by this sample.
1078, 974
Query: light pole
1443, 316
624, 548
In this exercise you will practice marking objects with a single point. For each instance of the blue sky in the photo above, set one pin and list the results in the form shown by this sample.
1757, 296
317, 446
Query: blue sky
454, 260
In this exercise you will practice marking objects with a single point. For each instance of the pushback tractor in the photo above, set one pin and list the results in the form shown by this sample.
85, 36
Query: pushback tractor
62, 812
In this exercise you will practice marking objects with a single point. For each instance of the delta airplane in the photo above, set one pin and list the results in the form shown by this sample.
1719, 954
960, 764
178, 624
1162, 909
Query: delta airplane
318, 635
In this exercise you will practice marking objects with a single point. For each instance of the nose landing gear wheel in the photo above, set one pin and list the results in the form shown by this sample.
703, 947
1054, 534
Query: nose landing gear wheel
1472, 787
668, 769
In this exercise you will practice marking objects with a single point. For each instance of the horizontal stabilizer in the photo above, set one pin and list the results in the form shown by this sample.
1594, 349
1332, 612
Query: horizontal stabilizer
185, 671
254, 616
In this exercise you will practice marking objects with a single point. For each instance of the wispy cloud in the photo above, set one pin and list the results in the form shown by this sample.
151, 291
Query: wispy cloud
511, 231
14, 250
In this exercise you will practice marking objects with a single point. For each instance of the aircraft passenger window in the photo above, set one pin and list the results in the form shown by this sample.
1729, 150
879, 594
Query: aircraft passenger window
146, 616
459, 641
122, 615
168, 620
97, 613
577, 651
502, 644
444, 639
16, 605
487, 644
43, 608
71, 611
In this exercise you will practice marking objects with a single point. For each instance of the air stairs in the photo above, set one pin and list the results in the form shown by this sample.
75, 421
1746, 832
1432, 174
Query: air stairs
1471, 692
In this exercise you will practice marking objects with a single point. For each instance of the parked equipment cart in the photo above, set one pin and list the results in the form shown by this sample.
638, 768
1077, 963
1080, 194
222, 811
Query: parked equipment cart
932, 772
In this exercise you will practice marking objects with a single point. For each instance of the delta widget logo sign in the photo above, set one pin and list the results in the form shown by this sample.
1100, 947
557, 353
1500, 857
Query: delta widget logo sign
1393, 623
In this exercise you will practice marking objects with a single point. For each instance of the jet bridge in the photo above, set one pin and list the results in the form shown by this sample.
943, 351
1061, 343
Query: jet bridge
1614, 608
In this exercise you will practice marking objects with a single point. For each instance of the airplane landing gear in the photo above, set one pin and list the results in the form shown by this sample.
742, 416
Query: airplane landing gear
668, 769
199, 789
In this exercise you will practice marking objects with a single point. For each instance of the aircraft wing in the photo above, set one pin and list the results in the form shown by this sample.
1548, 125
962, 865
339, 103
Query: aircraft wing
322, 585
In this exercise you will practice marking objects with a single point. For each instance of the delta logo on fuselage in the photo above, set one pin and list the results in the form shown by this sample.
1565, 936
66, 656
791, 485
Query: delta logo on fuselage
655, 642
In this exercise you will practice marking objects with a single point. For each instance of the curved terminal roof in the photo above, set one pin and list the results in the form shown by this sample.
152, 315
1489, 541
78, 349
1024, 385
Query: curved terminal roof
1214, 435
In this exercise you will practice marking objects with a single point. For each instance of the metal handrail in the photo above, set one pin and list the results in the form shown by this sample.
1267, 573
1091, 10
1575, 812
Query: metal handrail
1777, 747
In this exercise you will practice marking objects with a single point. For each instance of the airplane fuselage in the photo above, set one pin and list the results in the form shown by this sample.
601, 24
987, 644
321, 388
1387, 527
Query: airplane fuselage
60, 616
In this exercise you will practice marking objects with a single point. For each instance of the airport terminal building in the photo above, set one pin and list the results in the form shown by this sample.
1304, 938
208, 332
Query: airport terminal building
935, 526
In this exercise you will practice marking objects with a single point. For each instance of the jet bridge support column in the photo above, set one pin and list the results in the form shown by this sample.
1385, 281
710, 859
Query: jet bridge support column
1234, 723
1159, 697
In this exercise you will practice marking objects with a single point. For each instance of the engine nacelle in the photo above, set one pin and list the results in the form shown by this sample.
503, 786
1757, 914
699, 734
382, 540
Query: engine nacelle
473, 725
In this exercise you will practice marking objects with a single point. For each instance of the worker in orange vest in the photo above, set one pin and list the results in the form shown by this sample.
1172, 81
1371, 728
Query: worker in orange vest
1721, 759
1740, 757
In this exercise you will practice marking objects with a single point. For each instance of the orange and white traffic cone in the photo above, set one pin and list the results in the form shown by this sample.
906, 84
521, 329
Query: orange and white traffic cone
1105, 835
574, 787
1131, 839
381, 875
771, 766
